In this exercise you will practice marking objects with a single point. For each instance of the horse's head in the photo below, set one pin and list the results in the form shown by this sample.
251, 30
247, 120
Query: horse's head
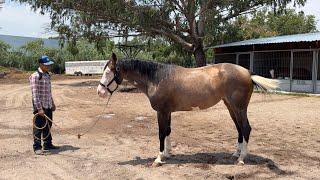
111, 78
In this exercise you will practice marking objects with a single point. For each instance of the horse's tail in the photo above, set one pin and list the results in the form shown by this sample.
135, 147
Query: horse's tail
264, 84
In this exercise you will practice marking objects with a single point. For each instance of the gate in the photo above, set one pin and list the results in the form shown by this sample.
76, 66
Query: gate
244, 60
302, 71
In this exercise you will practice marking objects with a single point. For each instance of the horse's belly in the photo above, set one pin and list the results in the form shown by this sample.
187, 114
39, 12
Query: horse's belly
195, 103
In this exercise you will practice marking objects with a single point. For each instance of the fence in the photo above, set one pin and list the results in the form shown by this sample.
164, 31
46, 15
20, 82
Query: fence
296, 70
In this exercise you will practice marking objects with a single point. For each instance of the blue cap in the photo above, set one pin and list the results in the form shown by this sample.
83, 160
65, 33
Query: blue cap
45, 60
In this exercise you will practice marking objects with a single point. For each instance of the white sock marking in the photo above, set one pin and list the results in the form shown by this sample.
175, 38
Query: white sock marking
160, 157
167, 146
244, 152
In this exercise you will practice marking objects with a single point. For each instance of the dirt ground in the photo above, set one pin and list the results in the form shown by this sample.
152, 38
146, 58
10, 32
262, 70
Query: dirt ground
284, 144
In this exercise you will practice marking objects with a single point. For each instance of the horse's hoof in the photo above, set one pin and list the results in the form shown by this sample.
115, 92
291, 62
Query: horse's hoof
157, 164
240, 163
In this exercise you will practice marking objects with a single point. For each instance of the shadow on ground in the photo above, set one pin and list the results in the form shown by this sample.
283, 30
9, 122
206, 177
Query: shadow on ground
219, 158
64, 148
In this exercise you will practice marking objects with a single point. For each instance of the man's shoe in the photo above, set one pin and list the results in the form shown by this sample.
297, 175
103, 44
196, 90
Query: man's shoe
50, 147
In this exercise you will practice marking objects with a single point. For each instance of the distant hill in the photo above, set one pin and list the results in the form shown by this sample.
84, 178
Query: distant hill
18, 41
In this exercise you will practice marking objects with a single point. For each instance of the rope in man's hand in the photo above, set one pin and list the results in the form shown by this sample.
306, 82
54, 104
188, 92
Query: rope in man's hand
47, 119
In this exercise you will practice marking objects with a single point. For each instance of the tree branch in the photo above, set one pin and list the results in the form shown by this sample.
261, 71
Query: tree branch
174, 37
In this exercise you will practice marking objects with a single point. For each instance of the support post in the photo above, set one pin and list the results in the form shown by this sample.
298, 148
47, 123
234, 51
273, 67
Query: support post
315, 70
251, 61
291, 70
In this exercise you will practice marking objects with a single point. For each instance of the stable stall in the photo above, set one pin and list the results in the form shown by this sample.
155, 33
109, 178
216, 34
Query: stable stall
293, 59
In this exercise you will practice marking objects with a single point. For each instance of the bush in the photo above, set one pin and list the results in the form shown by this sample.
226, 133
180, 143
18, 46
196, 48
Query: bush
26, 57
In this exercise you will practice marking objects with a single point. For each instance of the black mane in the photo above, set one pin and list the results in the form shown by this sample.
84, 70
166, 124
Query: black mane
153, 71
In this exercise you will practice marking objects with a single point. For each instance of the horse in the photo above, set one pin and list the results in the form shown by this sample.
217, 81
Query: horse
172, 88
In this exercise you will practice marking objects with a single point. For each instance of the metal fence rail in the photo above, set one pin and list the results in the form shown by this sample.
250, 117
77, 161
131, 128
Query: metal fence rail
299, 70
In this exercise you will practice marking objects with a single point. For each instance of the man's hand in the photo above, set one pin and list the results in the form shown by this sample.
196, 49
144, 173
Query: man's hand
41, 112
53, 107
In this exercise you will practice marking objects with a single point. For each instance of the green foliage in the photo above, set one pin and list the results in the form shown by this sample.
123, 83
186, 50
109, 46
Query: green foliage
191, 24
170, 30
160, 50
266, 23
4, 69
291, 22
4, 53
26, 57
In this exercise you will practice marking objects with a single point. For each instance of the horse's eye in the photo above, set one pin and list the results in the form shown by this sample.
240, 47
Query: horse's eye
117, 68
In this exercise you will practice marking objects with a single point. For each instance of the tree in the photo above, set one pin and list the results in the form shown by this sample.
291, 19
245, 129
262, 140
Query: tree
183, 22
4, 52
291, 22
267, 23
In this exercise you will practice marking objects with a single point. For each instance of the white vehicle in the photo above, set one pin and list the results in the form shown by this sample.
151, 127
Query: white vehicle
85, 67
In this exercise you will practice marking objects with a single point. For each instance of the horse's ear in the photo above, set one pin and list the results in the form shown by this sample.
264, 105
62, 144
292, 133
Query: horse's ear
114, 58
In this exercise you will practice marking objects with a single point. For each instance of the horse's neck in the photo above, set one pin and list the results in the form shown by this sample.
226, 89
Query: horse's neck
146, 75
140, 81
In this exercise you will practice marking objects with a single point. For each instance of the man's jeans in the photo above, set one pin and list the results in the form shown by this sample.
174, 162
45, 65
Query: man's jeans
40, 122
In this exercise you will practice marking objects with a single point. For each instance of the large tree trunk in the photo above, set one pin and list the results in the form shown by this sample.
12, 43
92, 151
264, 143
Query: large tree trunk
200, 56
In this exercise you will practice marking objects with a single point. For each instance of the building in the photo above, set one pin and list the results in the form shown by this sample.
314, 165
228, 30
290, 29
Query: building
293, 59
85, 67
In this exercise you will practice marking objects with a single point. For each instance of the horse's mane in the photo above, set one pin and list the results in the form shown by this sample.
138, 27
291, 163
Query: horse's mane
153, 71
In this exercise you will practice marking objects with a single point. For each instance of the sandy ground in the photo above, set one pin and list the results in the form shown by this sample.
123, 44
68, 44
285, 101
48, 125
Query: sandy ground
284, 144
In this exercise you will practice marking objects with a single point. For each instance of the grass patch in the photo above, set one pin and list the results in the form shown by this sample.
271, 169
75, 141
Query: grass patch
4, 69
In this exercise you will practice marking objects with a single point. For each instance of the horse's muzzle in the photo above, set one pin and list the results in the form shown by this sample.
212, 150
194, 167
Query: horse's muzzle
102, 92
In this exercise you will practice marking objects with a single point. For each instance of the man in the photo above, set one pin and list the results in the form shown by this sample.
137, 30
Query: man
43, 104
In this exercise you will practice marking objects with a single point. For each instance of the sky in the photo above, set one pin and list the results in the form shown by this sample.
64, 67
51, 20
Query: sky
20, 20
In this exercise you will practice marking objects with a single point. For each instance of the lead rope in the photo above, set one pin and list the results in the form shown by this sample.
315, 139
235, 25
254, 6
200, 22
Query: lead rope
47, 119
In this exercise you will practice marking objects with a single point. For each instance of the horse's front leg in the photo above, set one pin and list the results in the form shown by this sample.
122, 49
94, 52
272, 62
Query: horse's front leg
164, 131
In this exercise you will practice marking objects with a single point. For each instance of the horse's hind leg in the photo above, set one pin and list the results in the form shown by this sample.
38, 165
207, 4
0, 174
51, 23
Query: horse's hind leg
163, 123
239, 106
242, 119
240, 136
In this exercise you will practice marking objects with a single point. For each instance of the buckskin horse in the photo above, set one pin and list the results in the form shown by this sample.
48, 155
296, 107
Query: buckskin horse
172, 88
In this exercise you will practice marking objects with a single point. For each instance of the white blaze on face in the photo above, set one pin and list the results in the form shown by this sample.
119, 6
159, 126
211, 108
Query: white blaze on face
106, 78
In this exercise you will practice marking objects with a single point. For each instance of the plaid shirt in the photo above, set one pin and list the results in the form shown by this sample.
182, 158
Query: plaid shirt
41, 90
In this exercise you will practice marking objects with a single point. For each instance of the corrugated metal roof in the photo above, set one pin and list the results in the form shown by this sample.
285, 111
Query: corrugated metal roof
308, 37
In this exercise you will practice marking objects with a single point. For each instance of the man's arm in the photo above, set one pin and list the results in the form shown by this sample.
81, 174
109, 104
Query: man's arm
34, 82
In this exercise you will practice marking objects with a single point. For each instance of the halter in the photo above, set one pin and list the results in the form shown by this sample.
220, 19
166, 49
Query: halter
115, 78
